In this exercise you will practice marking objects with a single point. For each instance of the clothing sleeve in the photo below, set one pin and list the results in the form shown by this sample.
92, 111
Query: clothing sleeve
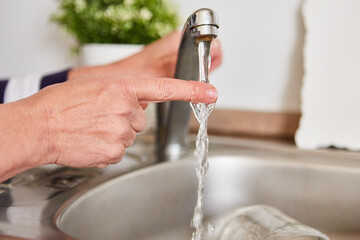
3, 84
16, 88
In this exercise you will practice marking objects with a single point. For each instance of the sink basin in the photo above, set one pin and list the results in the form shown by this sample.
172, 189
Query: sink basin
320, 189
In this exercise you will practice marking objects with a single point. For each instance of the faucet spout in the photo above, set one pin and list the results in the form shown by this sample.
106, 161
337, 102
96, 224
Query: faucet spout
173, 117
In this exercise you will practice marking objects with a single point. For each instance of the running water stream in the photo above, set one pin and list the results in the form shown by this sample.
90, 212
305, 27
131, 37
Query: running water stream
202, 112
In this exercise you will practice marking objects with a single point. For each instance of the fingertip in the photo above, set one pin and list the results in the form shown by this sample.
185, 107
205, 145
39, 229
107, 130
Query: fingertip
203, 93
211, 94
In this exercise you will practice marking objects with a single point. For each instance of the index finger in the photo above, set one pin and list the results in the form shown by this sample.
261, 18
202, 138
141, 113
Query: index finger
170, 89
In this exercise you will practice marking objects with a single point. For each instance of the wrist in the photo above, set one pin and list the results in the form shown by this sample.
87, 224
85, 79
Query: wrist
20, 148
41, 121
32, 126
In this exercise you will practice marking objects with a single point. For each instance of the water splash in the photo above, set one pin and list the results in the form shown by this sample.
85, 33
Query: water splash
202, 112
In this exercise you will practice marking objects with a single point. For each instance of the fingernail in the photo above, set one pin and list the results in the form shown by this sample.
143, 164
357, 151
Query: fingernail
211, 93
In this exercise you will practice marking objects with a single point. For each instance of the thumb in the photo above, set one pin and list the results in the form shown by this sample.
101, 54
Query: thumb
170, 89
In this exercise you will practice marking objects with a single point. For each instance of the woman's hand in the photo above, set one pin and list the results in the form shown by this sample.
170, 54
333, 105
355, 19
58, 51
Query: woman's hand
157, 59
89, 120
86, 122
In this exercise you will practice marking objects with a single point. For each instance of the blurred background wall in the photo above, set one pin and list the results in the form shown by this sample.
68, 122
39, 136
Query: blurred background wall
262, 46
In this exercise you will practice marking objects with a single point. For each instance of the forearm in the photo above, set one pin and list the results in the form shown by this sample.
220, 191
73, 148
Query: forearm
21, 139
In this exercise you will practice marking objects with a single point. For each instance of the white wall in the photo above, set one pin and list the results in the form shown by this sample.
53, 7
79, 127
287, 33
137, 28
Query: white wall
29, 43
262, 44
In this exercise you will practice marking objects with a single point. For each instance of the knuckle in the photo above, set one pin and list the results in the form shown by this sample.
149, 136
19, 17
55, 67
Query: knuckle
127, 110
120, 86
120, 127
167, 88
121, 130
115, 152
132, 135
130, 141
129, 137
124, 112
125, 86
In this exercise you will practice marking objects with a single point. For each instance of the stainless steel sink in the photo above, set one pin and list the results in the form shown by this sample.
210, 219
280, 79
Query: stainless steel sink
319, 188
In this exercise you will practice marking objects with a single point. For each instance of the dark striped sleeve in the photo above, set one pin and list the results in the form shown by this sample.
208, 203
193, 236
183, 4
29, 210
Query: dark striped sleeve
16, 88
2, 89
54, 78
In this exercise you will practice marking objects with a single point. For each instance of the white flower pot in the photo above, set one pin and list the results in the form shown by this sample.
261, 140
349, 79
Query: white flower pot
98, 54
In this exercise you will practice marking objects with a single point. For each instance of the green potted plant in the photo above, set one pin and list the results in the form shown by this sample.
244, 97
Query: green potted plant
108, 30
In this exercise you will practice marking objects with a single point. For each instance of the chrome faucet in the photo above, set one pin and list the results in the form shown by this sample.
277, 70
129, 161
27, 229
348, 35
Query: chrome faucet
173, 117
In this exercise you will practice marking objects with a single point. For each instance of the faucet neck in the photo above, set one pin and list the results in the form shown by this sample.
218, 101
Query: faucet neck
173, 117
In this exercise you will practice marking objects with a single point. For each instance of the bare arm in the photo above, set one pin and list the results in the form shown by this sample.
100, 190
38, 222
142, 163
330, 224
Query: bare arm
89, 120
84, 122
157, 59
